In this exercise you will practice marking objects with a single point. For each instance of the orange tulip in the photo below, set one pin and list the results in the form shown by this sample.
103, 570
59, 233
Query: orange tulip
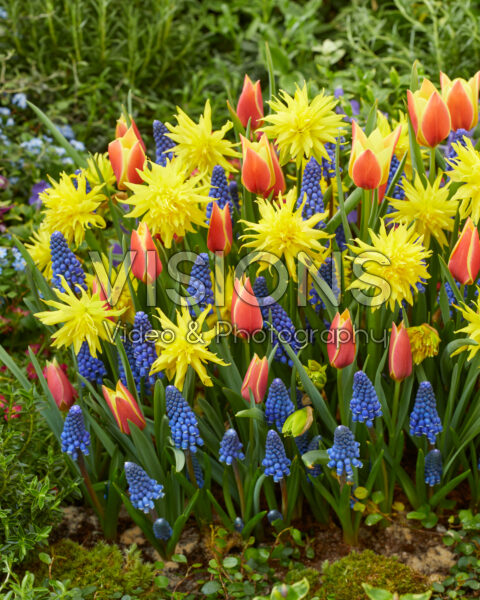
220, 236
245, 312
464, 262
250, 104
399, 353
126, 155
124, 407
429, 115
371, 156
461, 97
341, 341
256, 379
60, 387
261, 171
122, 128
146, 263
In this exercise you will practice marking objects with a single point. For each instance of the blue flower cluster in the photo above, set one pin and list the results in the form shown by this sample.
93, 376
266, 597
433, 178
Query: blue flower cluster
89, 367
133, 365
75, 438
197, 471
364, 403
66, 264
314, 444
200, 285
329, 166
183, 422
455, 137
275, 464
311, 188
230, 448
162, 530
143, 489
144, 349
233, 189
424, 419
433, 467
163, 143
327, 272
17, 263
398, 191
278, 405
344, 453
219, 191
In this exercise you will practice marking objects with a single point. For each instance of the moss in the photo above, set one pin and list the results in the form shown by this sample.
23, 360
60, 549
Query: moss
312, 575
104, 566
343, 579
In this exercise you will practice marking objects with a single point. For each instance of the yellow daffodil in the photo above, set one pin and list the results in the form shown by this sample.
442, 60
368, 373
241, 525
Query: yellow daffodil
393, 264
169, 203
100, 163
39, 250
424, 342
428, 208
302, 128
198, 146
183, 345
281, 231
403, 143
70, 209
472, 329
466, 170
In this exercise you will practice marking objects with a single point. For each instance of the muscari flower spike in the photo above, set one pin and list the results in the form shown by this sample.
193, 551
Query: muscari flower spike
230, 448
88, 187
275, 464
433, 467
340, 238
302, 442
424, 419
183, 422
344, 453
364, 403
197, 471
274, 515
162, 143
89, 367
219, 191
328, 273
129, 351
278, 405
233, 189
200, 286
398, 191
162, 530
65, 263
143, 489
314, 444
144, 349
280, 321
451, 153
239, 524
311, 187
75, 438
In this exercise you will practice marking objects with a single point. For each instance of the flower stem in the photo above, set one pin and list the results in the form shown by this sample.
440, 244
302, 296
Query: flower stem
283, 487
89, 486
366, 207
432, 171
343, 411
396, 398
190, 469
241, 494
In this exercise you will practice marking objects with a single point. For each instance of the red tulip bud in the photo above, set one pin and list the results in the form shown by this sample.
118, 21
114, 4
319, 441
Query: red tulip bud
261, 171
250, 103
124, 407
256, 379
126, 155
341, 341
245, 313
399, 353
220, 236
464, 262
146, 263
60, 387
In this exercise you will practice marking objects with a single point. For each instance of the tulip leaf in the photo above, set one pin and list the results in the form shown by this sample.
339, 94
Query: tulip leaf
298, 422
314, 457
251, 413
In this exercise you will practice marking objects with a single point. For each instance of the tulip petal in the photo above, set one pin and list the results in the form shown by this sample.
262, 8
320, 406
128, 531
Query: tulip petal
460, 107
366, 172
435, 125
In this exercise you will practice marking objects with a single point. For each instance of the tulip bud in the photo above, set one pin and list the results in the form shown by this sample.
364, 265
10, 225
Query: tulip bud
122, 128
341, 341
124, 407
126, 155
146, 263
245, 313
250, 104
60, 387
399, 353
261, 171
429, 115
464, 262
220, 236
256, 379
461, 97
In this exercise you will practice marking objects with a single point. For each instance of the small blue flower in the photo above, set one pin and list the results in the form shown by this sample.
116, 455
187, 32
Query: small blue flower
4, 111
275, 464
311, 189
230, 448
19, 263
162, 530
314, 444
80, 146
302, 442
219, 191
197, 471
66, 131
33, 145
274, 515
88, 187
144, 348
364, 403
75, 438
424, 419
238, 525
143, 490
59, 150
183, 422
89, 367
133, 365
344, 453
9, 122
433, 467
163, 144
278, 405
398, 191
19, 100
329, 166
340, 238
455, 137
327, 272
200, 285
3, 14
35, 192
66, 264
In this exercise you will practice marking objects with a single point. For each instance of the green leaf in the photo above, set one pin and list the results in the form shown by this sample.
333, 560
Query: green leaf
361, 493
376, 593
230, 562
251, 413
179, 558
417, 515
210, 588
298, 422
373, 519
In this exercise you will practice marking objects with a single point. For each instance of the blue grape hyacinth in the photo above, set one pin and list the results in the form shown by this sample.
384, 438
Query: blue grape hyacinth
144, 348
275, 464
233, 189
457, 136
364, 403
66, 264
219, 191
433, 467
314, 444
274, 515
163, 144
75, 438
424, 419
162, 530
197, 471
398, 191
183, 422
143, 489
278, 405
344, 453
230, 448
200, 285
311, 189
129, 351
89, 367
327, 272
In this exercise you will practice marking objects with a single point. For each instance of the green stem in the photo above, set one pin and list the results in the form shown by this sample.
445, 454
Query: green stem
432, 171
340, 398
396, 398
190, 469
89, 486
283, 487
241, 494
366, 208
